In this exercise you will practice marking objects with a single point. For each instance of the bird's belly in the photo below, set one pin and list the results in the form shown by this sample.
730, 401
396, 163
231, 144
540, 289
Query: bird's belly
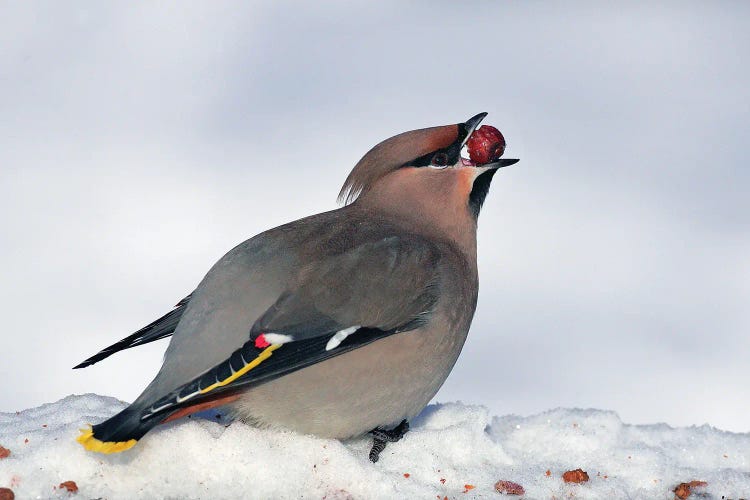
377, 385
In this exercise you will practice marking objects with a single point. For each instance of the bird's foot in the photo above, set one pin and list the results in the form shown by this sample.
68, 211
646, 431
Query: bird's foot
381, 437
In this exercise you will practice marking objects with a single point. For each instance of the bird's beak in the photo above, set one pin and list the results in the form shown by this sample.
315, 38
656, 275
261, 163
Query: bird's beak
469, 126
465, 130
502, 162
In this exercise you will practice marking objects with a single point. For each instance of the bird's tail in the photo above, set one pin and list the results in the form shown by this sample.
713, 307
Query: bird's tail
118, 433
122, 431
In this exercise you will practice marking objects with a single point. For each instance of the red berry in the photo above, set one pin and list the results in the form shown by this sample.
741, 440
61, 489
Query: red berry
486, 144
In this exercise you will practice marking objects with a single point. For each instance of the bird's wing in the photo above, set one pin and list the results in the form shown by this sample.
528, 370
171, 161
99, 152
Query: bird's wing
156, 330
370, 292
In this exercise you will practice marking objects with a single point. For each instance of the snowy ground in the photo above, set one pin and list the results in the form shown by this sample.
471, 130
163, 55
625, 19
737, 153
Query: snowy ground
451, 448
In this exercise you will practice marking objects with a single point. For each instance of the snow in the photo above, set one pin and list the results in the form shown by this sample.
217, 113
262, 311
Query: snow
460, 444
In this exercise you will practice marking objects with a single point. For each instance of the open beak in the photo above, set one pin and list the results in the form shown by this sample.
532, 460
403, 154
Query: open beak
469, 126
466, 129
500, 163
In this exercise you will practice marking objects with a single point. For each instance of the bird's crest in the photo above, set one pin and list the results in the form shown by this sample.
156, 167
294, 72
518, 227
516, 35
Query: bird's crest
392, 154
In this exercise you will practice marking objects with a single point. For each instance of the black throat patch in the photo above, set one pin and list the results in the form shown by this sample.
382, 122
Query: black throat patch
479, 191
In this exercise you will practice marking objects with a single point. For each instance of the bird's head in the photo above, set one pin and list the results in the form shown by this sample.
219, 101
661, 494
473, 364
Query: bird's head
424, 169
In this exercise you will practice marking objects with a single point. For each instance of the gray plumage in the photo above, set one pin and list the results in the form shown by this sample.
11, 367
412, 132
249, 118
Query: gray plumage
396, 266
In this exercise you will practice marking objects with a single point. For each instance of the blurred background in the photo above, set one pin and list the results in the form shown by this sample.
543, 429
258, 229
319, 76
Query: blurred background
140, 142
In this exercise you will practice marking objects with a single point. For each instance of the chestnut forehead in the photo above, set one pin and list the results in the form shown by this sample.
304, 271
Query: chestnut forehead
422, 143
442, 137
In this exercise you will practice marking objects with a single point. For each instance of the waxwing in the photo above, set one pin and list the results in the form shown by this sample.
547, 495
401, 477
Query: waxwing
339, 324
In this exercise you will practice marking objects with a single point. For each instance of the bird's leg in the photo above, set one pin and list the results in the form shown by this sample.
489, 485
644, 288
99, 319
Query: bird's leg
393, 435
381, 437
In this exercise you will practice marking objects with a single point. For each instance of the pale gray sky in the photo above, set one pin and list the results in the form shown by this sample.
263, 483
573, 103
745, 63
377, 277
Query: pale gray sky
140, 142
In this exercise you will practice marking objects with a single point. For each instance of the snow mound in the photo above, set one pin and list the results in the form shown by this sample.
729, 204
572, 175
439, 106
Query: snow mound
453, 450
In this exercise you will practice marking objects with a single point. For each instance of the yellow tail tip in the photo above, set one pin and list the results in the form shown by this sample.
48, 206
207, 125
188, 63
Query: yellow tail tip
89, 442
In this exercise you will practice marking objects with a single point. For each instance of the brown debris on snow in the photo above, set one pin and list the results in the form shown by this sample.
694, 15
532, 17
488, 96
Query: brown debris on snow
7, 494
683, 490
509, 488
71, 486
4, 452
575, 476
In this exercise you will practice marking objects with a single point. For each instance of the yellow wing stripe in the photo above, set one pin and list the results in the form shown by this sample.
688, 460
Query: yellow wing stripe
261, 358
89, 442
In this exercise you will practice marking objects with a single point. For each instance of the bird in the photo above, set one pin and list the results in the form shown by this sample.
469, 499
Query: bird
341, 324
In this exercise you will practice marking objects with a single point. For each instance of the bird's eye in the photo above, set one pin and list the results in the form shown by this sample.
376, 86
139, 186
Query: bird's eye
440, 160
